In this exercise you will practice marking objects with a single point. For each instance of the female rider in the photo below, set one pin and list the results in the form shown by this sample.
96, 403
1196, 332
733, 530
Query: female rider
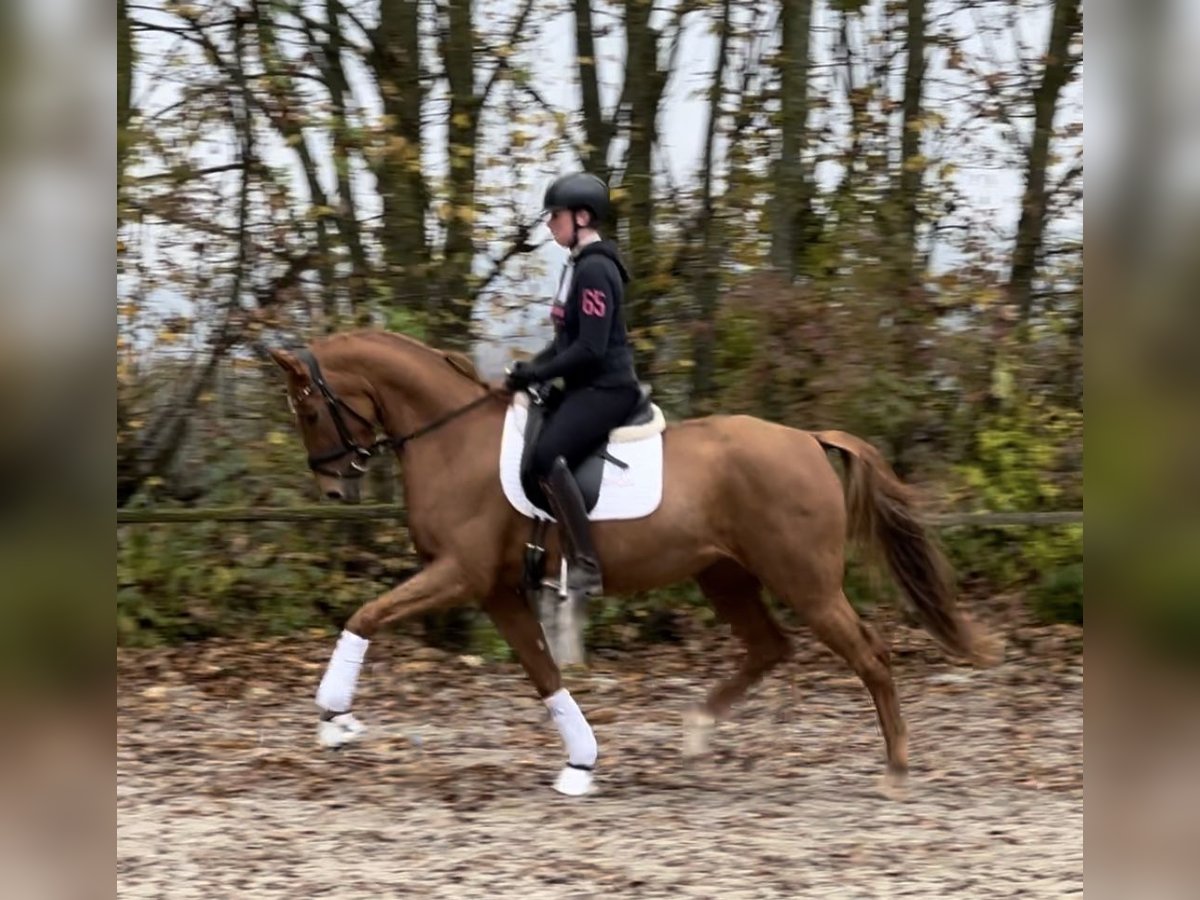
591, 353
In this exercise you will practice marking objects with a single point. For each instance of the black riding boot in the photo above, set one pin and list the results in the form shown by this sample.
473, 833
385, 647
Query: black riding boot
575, 532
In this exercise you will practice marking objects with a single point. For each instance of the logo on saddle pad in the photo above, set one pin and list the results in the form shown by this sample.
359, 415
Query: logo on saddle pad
621, 480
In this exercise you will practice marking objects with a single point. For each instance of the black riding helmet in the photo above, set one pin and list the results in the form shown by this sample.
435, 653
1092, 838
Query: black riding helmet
579, 190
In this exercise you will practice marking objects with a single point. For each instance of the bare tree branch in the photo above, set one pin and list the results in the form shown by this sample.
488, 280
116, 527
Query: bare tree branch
160, 443
501, 62
182, 175
519, 244
541, 101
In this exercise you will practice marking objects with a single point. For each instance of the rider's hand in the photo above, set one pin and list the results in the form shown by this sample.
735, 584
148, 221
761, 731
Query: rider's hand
520, 376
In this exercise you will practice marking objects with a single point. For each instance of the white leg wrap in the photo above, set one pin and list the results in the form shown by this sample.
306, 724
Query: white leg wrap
336, 691
576, 732
698, 728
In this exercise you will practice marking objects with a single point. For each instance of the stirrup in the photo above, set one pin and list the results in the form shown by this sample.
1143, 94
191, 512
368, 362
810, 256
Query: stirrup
584, 594
593, 585
562, 586
559, 585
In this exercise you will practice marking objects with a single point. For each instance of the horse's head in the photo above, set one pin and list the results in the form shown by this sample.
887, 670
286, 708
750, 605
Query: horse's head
338, 419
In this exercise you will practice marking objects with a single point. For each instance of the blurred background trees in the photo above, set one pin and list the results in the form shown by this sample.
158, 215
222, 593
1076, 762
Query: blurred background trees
844, 214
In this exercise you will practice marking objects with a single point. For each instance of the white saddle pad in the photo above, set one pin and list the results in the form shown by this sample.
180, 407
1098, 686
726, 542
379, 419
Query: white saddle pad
624, 493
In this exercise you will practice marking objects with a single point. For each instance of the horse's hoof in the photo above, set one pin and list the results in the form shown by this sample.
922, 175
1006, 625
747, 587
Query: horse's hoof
698, 728
894, 785
574, 782
339, 730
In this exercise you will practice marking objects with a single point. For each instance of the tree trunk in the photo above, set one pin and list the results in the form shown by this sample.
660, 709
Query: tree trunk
911, 168
452, 324
911, 311
792, 208
347, 209
1059, 66
741, 178
125, 58
287, 119
645, 91
856, 100
703, 337
397, 64
597, 129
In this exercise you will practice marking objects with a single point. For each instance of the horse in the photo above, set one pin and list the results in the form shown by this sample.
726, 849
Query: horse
747, 506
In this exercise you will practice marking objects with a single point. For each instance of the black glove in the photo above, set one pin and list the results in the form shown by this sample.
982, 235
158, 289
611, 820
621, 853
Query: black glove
520, 376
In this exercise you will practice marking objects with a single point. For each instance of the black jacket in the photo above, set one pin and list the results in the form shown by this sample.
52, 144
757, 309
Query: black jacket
590, 346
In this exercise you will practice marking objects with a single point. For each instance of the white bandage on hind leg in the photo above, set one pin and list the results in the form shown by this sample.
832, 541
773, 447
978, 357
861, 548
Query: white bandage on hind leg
336, 691
576, 732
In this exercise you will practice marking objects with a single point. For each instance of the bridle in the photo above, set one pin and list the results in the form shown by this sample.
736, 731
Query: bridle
336, 405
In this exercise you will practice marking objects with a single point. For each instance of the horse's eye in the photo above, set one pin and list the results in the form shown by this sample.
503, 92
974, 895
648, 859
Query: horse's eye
310, 418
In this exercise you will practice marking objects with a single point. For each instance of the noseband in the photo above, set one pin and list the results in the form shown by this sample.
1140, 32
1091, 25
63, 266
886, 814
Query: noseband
335, 404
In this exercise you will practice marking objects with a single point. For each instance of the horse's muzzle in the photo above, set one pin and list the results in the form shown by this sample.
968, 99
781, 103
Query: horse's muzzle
347, 490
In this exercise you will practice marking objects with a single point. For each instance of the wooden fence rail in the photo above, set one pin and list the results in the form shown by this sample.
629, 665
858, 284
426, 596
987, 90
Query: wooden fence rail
363, 512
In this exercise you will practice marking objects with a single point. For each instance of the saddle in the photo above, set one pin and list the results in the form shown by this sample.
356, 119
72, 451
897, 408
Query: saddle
541, 403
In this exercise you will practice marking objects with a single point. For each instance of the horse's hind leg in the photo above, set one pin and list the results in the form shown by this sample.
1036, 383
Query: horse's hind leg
736, 595
835, 622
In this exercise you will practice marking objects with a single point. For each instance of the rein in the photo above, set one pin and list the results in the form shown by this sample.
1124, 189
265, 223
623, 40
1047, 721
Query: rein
336, 404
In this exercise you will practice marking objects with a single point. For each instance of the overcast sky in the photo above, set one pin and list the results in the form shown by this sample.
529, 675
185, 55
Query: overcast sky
994, 189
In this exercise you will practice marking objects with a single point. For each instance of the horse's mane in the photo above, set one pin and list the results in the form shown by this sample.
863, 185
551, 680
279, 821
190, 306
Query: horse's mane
458, 361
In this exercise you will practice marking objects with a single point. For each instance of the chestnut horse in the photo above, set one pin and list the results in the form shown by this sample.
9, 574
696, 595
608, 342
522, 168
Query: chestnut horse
747, 505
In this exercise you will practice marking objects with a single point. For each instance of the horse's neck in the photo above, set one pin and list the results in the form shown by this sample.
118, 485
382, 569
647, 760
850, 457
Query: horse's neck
448, 462
412, 389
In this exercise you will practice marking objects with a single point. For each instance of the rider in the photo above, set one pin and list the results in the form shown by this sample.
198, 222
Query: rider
591, 353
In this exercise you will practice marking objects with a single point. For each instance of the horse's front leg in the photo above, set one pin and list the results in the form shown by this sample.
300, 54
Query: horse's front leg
515, 620
441, 584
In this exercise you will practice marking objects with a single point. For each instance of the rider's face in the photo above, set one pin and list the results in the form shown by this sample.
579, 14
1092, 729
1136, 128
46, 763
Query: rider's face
561, 227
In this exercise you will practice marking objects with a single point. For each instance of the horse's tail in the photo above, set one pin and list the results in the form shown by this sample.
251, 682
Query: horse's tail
882, 517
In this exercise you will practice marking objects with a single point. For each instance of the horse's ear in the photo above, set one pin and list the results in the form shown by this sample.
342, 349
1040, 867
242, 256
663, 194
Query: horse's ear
288, 362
